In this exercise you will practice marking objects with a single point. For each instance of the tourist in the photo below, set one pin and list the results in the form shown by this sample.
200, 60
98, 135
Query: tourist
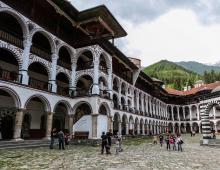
61, 139
168, 141
161, 140
52, 137
155, 139
117, 147
119, 138
109, 142
194, 133
67, 140
179, 143
171, 141
104, 143
174, 142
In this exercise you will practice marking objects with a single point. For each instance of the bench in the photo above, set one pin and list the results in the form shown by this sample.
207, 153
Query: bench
81, 135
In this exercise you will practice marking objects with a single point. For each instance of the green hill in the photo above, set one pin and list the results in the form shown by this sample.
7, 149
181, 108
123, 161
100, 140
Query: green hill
171, 74
198, 67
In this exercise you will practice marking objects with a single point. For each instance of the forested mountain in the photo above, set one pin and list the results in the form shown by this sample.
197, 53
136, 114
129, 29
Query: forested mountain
171, 74
198, 67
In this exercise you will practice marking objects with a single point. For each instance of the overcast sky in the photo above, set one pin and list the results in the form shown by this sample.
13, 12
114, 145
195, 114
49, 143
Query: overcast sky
176, 30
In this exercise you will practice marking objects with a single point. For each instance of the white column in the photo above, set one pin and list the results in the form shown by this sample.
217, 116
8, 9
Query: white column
119, 128
54, 72
138, 128
143, 129
70, 125
184, 114
172, 112
178, 113
190, 113
137, 100
94, 126
127, 129
142, 103
25, 58
49, 125
73, 76
214, 112
199, 113
147, 104
95, 88
215, 124
18, 125
110, 81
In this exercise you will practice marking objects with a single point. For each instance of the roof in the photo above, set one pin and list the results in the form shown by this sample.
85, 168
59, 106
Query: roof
210, 86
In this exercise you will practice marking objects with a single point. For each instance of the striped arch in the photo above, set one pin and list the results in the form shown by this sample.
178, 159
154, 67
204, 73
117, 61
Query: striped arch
205, 121
14, 50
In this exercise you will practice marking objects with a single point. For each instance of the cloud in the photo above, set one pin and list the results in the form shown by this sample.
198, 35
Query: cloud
139, 11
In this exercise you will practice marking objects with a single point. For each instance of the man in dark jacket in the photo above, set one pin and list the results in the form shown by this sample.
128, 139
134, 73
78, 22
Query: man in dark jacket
52, 137
109, 139
104, 143
61, 139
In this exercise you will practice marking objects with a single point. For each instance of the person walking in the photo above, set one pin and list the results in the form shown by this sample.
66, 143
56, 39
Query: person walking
67, 140
53, 135
161, 140
174, 142
168, 142
117, 146
109, 142
104, 143
179, 143
61, 139
155, 139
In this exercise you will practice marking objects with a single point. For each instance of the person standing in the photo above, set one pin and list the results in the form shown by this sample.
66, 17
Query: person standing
161, 140
168, 142
53, 135
109, 142
104, 143
61, 139
179, 143
174, 142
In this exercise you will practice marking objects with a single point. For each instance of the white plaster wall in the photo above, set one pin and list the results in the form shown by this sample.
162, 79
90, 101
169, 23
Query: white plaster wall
102, 125
84, 124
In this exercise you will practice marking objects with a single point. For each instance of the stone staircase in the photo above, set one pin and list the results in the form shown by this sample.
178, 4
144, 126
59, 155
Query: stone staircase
23, 144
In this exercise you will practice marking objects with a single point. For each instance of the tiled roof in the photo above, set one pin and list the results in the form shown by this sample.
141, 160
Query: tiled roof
193, 90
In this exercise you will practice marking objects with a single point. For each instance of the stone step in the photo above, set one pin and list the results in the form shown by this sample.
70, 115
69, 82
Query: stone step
24, 144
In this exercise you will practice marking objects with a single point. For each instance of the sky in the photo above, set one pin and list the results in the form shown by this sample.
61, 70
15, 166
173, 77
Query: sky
175, 30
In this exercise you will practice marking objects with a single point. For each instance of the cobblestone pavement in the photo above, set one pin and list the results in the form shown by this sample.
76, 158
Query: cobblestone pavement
136, 155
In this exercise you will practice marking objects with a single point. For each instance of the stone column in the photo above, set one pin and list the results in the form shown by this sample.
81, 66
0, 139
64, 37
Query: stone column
191, 127
199, 113
110, 124
137, 104
184, 114
73, 78
190, 113
110, 81
133, 128
18, 125
119, 128
127, 129
178, 113
25, 63
138, 129
214, 112
70, 125
179, 128
49, 125
172, 112
95, 88
94, 126
142, 103
215, 126
54, 72
143, 129
147, 104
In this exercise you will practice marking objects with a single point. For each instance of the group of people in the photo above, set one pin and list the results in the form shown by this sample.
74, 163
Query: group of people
107, 143
63, 138
172, 141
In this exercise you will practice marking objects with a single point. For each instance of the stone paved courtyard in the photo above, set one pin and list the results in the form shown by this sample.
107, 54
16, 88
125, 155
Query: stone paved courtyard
138, 154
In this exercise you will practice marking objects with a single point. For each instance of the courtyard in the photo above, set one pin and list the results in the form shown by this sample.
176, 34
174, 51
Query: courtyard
138, 154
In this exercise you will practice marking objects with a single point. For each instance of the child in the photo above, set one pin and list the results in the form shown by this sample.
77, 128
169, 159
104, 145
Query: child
117, 147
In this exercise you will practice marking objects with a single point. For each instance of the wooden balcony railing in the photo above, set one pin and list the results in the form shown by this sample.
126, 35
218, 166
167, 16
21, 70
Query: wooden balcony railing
85, 65
10, 76
11, 38
40, 52
64, 91
38, 84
